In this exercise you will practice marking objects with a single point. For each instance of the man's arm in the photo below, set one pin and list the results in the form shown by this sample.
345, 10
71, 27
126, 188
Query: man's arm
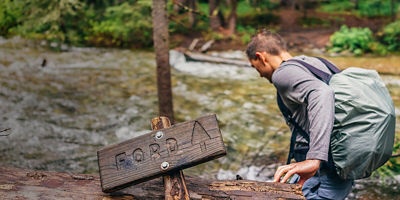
301, 87
305, 170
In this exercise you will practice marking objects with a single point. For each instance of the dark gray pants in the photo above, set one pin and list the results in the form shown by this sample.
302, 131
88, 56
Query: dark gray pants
326, 185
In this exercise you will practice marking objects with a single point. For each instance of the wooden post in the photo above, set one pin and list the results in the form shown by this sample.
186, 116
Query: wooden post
174, 182
161, 47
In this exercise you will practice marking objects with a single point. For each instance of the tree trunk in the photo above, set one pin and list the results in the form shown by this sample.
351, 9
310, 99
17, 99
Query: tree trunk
34, 185
303, 6
177, 7
289, 4
214, 19
161, 47
356, 4
392, 10
192, 15
232, 17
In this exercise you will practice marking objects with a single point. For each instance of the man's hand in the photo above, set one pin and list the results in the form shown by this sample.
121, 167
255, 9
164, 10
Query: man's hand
305, 170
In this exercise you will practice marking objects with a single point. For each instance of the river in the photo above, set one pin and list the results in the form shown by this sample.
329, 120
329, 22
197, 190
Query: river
64, 106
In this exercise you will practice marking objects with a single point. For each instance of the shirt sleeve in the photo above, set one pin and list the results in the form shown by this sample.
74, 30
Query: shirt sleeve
301, 87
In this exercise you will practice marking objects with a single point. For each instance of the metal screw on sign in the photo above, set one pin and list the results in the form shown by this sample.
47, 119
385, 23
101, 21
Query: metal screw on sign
159, 135
164, 165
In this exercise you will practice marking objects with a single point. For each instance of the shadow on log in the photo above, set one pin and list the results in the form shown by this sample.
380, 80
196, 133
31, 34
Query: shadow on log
29, 184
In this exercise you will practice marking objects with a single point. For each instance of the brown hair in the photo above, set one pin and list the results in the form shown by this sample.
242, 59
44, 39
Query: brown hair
265, 41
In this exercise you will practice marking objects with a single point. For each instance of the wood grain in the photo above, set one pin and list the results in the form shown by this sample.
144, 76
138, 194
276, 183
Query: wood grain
24, 184
174, 182
139, 159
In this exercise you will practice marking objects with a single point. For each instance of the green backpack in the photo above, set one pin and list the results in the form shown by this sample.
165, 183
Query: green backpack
364, 128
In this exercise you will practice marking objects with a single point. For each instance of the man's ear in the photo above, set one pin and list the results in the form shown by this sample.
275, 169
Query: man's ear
262, 57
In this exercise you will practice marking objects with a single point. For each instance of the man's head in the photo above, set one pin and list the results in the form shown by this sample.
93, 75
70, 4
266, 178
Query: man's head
266, 51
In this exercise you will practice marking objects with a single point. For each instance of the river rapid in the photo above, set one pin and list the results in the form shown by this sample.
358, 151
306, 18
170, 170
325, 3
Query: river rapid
62, 106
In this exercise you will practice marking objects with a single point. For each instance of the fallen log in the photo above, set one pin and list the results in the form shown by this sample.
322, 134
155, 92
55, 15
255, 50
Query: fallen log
198, 57
18, 183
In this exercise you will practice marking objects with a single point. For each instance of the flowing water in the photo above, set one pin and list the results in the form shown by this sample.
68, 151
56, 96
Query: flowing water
64, 106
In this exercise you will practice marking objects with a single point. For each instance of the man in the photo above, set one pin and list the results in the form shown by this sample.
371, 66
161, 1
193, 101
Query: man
311, 104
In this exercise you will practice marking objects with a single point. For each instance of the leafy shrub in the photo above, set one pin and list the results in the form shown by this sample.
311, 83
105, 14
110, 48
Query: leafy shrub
390, 36
391, 167
378, 48
49, 19
258, 19
369, 8
337, 6
313, 22
10, 13
124, 25
245, 33
356, 40
375, 8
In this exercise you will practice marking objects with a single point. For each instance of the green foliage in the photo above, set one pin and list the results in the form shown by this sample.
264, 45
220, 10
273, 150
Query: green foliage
203, 7
356, 40
245, 33
392, 167
123, 25
46, 19
390, 36
375, 8
337, 6
10, 14
266, 4
368, 8
361, 40
378, 48
313, 22
258, 19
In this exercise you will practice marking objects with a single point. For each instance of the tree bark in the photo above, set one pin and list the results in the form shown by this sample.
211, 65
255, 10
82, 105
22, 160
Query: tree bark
392, 10
214, 19
289, 4
34, 185
192, 15
355, 4
161, 47
178, 8
232, 17
303, 6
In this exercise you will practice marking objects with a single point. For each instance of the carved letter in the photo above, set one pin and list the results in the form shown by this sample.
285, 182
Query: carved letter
154, 151
200, 135
138, 155
122, 161
172, 145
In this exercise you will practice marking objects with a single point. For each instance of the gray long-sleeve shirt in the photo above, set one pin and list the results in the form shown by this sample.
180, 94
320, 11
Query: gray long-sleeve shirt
311, 102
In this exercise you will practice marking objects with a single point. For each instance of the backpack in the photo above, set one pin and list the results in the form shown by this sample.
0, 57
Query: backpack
364, 127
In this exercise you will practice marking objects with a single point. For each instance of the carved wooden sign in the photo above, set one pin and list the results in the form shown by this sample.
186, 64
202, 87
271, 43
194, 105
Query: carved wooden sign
145, 157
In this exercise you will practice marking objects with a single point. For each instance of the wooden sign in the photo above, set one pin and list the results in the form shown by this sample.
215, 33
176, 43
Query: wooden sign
145, 157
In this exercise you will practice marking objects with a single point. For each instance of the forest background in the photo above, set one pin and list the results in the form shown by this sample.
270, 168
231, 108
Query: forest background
349, 26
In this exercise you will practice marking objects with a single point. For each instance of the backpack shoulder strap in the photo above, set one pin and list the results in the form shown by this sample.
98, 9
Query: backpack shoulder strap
323, 76
330, 65
297, 128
